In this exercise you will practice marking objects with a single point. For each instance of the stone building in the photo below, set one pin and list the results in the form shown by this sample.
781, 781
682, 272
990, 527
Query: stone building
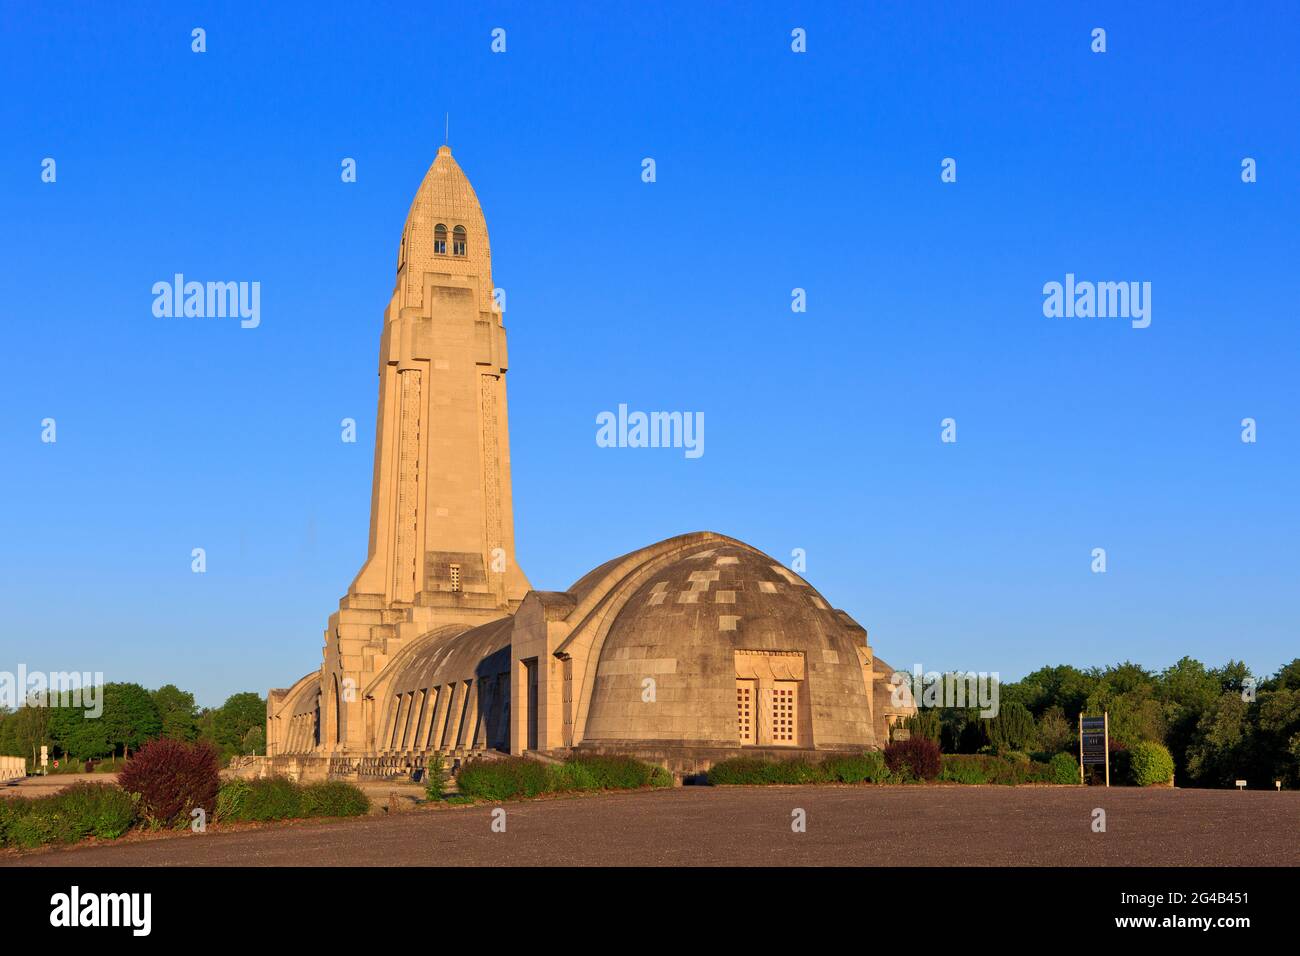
684, 651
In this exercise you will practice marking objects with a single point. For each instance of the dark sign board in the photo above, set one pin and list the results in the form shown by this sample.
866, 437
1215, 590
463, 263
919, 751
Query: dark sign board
1094, 740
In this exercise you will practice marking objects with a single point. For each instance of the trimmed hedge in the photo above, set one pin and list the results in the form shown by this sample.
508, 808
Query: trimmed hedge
1008, 771
279, 798
837, 768
871, 768
334, 798
1150, 764
513, 777
82, 810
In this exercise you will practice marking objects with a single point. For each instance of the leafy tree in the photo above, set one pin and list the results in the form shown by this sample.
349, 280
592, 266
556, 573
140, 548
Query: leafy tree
26, 730
1055, 733
925, 723
77, 735
130, 716
1276, 743
237, 716
178, 712
1287, 678
1218, 751
1012, 728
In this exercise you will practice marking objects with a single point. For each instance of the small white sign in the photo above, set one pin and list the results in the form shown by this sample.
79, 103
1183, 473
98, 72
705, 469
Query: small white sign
45, 755
1241, 784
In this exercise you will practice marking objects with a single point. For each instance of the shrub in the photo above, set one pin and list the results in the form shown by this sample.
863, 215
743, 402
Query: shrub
435, 777
279, 798
231, 799
493, 779
917, 757
1013, 728
488, 779
865, 768
94, 809
607, 773
1150, 764
1063, 768
964, 768
751, 770
925, 723
334, 798
171, 778
33, 824
82, 810
271, 798
1120, 761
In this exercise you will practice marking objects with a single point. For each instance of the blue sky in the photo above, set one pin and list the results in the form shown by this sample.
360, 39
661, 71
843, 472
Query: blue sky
775, 170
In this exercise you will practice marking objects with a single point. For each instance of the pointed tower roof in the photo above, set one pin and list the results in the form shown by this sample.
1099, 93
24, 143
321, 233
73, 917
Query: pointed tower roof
446, 192
446, 198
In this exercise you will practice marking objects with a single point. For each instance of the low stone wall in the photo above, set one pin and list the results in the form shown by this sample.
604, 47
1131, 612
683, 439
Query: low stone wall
687, 762
356, 768
12, 768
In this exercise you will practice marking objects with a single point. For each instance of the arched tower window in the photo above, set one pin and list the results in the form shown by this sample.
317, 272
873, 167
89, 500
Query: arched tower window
440, 239
458, 243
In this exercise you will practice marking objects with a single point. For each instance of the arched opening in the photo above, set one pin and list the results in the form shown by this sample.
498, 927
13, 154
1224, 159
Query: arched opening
440, 239
338, 714
459, 245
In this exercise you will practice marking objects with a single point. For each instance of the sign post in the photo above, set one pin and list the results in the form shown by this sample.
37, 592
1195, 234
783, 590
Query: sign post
45, 757
1094, 743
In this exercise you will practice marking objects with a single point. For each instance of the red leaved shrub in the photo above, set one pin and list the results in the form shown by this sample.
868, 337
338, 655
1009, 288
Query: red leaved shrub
171, 778
917, 756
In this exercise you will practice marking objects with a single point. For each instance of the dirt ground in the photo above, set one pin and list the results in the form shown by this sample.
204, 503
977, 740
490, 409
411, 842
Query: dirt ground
705, 826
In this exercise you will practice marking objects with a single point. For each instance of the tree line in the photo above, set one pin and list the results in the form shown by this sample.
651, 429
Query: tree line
1220, 724
131, 716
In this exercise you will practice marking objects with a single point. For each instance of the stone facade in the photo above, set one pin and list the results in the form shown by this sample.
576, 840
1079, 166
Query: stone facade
696, 646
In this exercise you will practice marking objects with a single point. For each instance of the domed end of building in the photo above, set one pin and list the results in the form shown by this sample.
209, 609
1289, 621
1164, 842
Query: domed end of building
685, 652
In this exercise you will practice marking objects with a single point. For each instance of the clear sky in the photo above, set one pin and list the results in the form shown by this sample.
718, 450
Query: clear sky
775, 170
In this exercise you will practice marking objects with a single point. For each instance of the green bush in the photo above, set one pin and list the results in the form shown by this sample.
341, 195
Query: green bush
278, 798
612, 773
84, 809
1063, 768
1005, 771
334, 798
493, 779
964, 768
271, 798
489, 779
865, 768
35, 826
752, 770
231, 799
95, 809
1150, 764
435, 777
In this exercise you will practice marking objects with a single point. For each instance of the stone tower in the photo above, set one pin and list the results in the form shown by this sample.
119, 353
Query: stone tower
442, 549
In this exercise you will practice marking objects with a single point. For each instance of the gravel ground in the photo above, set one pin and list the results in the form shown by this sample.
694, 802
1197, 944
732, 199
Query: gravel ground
703, 826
